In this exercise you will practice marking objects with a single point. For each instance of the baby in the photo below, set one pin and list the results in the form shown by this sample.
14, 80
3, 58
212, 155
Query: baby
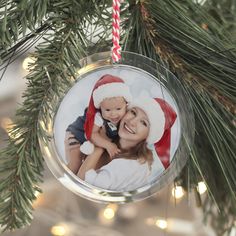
107, 106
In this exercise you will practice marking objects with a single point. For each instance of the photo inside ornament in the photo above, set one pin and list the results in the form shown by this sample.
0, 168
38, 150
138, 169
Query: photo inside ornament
116, 134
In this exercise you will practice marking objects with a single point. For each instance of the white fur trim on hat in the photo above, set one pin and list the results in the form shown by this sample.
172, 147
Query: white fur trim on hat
155, 116
110, 90
87, 148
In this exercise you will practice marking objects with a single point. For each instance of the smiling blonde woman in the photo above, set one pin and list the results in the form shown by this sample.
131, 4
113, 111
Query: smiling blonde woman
146, 122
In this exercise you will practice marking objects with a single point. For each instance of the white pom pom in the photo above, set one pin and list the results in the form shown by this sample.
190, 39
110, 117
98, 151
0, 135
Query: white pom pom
87, 148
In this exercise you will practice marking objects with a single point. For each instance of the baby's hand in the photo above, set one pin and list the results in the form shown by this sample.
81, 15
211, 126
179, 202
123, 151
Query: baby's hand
112, 149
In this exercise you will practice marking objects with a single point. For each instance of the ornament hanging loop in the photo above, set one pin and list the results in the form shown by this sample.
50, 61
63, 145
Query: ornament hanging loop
116, 49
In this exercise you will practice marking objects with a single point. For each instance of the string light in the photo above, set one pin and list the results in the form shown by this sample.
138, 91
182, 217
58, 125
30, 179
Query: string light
27, 61
162, 224
58, 230
178, 192
201, 187
107, 215
109, 211
158, 222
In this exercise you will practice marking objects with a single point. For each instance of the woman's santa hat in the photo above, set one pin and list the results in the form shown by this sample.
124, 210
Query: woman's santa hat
161, 117
108, 86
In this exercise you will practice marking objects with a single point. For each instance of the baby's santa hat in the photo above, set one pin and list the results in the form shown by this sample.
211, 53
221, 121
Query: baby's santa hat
161, 117
108, 86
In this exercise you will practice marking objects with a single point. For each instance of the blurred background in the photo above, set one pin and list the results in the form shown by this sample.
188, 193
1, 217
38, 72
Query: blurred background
170, 212
59, 212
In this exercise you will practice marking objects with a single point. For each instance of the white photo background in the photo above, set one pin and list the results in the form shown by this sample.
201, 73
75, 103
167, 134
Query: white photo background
140, 83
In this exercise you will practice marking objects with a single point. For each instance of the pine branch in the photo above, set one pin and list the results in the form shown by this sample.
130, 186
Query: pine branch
204, 54
57, 62
17, 17
203, 60
14, 52
224, 13
207, 69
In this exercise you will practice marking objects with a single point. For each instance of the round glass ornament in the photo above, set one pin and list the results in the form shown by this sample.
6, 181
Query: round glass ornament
143, 76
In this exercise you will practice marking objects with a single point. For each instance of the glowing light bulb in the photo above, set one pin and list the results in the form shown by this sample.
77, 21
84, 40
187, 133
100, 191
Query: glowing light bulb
201, 187
178, 192
37, 193
58, 230
162, 224
109, 213
27, 61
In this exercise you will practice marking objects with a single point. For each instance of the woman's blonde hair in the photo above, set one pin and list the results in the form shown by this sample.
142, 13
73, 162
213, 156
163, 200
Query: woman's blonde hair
139, 152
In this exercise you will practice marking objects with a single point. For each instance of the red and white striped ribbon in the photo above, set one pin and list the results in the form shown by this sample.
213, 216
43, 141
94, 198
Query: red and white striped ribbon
116, 49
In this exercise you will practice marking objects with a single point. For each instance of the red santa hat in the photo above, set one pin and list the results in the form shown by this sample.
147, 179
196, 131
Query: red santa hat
107, 86
161, 118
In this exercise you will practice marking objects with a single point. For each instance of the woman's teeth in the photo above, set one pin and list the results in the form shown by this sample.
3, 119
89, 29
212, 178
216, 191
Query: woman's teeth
128, 129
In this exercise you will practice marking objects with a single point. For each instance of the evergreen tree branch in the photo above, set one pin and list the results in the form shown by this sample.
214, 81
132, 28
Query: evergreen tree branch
207, 69
57, 62
17, 17
204, 54
203, 60
14, 52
